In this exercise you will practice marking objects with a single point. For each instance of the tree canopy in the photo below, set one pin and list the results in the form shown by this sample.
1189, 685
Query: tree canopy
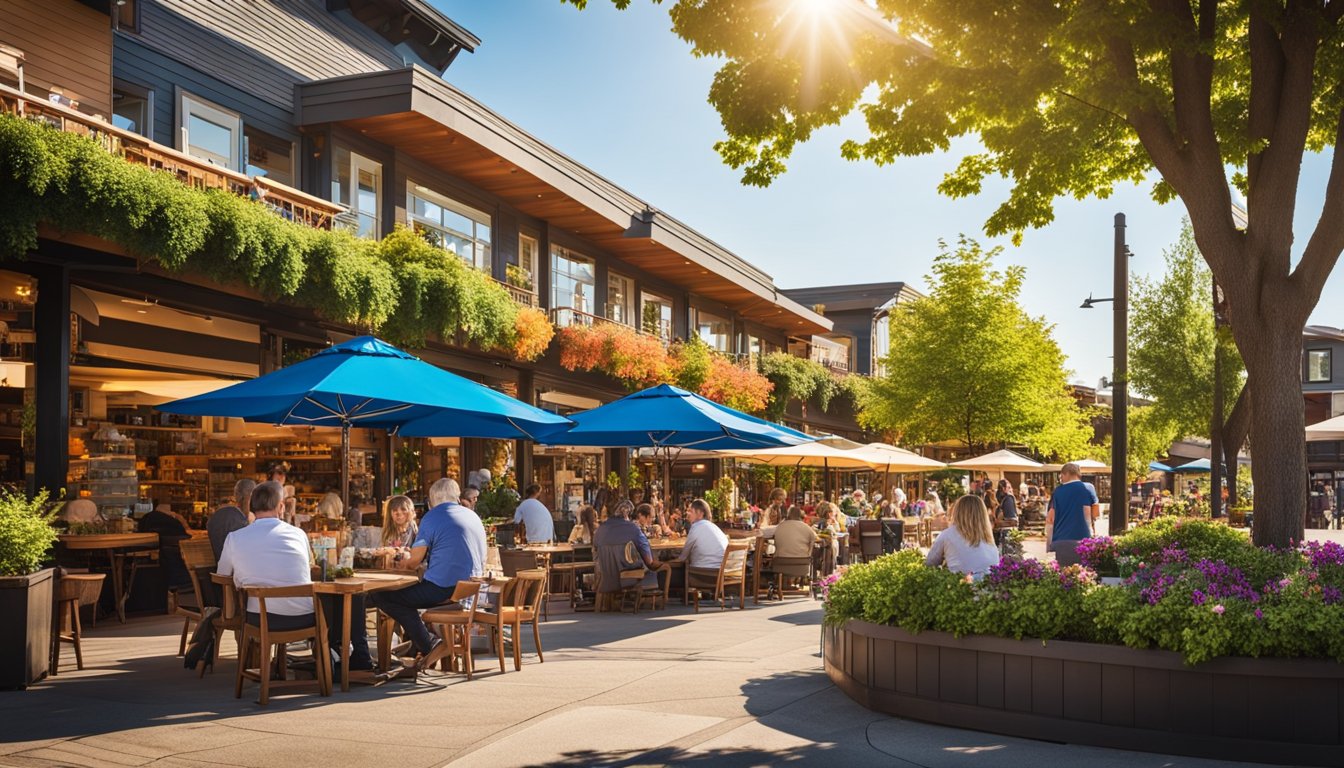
1071, 98
968, 363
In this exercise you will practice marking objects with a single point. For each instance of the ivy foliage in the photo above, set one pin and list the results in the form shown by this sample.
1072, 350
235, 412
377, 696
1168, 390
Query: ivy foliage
401, 287
796, 378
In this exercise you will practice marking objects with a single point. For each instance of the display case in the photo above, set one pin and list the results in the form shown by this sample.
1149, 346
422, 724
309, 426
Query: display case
109, 481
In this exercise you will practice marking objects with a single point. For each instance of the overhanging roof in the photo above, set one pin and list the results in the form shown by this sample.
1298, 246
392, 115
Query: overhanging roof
425, 117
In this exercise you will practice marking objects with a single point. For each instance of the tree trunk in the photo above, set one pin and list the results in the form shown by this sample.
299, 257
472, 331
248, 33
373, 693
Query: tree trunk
1279, 469
1234, 437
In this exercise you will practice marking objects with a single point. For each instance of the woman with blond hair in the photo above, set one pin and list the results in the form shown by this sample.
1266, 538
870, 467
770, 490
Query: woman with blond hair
967, 545
399, 527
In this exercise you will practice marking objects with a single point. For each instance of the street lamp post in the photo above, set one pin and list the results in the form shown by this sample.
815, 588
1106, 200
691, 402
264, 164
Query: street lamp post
1119, 518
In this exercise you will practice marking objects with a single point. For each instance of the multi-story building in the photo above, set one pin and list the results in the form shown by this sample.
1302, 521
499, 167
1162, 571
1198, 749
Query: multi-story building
1323, 398
334, 113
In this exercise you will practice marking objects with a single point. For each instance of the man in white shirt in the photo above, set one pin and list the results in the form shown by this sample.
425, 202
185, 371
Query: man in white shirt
705, 543
270, 553
534, 516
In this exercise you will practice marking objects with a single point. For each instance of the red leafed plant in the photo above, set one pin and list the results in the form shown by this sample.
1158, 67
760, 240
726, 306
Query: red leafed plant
637, 360
532, 334
736, 386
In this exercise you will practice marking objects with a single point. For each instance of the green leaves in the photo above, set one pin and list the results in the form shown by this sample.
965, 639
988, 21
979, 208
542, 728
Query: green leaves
26, 532
402, 286
968, 364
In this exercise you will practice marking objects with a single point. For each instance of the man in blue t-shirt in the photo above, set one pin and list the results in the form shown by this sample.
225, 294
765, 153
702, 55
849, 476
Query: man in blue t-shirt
1073, 508
451, 545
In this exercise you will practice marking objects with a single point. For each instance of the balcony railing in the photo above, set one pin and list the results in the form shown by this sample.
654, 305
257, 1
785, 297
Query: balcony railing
520, 296
287, 202
564, 317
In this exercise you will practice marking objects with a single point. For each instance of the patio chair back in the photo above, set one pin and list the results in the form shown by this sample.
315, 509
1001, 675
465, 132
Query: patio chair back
515, 560
870, 539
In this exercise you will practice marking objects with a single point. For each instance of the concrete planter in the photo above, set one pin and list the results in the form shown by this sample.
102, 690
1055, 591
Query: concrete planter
25, 629
1265, 710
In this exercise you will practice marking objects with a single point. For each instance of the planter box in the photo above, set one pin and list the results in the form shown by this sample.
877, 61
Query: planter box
1264, 710
25, 631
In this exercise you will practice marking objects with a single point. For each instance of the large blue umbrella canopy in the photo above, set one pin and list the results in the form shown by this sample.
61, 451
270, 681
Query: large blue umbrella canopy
1198, 465
366, 382
668, 417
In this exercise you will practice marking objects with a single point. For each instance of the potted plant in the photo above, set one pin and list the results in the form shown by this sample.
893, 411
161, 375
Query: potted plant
26, 595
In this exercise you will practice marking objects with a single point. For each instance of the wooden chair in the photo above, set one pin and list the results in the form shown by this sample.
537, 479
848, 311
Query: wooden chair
454, 625
519, 602
731, 572
232, 604
569, 574
792, 568
870, 539
515, 560
265, 639
199, 558
75, 590
759, 563
620, 575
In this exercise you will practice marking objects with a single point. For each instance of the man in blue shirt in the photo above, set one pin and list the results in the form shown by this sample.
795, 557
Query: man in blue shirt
1073, 509
451, 544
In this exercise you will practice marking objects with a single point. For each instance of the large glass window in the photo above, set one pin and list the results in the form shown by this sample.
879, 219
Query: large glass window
357, 182
572, 280
209, 132
133, 108
714, 330
620, 299
450, 225
1318, 365
269, 156
881, 343
524, 274
656, 316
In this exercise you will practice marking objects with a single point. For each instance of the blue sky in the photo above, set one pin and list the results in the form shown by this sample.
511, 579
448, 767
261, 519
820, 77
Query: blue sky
621, 94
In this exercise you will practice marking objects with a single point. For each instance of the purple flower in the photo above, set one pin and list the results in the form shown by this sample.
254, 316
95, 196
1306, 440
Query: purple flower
1259, 614
1218, 609
1331, 595
1197, 597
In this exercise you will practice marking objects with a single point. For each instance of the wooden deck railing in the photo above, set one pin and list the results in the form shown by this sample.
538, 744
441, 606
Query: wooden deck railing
286, 201
521, 296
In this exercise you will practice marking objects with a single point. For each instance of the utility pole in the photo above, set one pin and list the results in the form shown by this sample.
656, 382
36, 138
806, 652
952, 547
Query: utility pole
1119, 519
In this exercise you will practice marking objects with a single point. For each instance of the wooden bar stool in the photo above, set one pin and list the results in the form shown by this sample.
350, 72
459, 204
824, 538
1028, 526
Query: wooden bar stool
75, 590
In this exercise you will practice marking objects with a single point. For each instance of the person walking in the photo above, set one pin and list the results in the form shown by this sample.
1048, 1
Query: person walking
1073, 511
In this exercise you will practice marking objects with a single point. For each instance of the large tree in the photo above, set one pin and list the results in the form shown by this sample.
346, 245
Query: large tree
968, 364
1069, 98
1172, 340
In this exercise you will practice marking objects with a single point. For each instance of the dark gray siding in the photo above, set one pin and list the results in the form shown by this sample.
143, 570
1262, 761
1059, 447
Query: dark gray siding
135, 63
263, 47
1336, 362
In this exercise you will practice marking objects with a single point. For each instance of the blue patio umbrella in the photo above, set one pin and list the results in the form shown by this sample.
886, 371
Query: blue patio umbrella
1157, 466
1198, 465
668, 417
366, 382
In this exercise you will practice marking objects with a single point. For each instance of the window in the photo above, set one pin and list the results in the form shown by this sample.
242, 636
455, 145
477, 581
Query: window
357, 182
209, 132
715, 331
620, 299
656, 316
126, 16
450, 225
572, 280
881, 343
269, 156
133, 108
524, 275
754, 348
1318, 365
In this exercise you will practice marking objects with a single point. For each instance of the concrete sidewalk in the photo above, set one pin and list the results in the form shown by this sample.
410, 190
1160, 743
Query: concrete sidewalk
736, 688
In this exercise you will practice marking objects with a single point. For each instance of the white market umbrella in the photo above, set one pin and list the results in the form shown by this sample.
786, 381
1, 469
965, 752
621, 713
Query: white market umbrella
807, 455
897, 459
999, 461
1088, 467
1330, 429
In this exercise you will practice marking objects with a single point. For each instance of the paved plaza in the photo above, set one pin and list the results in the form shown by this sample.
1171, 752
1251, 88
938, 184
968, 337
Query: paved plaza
735, 688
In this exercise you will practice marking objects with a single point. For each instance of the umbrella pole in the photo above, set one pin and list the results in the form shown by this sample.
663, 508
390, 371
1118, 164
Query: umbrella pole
345, 468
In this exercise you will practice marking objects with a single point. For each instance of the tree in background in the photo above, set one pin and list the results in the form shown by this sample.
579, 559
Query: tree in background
1069, 99
1171, 352
967, 363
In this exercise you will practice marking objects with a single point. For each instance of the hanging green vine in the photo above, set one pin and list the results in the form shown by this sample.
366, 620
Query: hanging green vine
796, 378
401, 287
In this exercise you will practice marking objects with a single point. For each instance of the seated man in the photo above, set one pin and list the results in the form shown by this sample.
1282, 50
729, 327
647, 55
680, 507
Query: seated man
172, 531
451, 543
611, 539
273, 553
705, 543
536, 519
793, 537
230, 517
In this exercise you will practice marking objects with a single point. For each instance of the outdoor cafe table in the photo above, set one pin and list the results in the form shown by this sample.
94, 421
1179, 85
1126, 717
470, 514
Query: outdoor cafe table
115, 545
363, 582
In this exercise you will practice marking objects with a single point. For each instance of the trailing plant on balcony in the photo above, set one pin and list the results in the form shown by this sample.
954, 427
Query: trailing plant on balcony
402, 287
797, 378
518, 277
736, 386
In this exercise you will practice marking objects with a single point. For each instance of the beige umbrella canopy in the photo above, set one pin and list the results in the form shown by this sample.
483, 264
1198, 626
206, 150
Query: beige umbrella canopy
893, 459
806, 455
999, 461
1330, 429
1088, 467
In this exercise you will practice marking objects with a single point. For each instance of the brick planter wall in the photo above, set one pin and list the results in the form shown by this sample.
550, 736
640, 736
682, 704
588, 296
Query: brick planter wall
1265, 710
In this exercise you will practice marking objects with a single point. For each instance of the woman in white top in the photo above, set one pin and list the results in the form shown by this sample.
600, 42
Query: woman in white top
966, 546
582, 533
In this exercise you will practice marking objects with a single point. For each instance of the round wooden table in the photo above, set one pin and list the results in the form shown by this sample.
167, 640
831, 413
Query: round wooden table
115, 546
362, 582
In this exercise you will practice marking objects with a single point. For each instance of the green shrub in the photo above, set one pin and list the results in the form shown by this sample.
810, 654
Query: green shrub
26, 533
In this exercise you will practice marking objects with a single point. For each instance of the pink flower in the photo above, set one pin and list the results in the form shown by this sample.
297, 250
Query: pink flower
1218, 609
1259, 614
